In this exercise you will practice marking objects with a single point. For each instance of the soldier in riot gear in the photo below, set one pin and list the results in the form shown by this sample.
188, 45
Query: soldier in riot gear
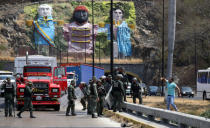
88, 98
118, 93
93, 98
108, 83
27, 100
83, 100
137, 90
101, 95
9, 95
124, 79
71, 98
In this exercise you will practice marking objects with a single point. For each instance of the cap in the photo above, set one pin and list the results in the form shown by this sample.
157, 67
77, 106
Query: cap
98, 80
72, 82
29, 83
81, 8
82, 82
8, 78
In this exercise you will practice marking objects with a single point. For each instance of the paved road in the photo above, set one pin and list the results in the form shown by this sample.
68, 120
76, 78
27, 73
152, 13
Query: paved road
52, 119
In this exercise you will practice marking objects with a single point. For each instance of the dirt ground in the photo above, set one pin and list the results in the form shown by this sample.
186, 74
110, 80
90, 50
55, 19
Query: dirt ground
189, 106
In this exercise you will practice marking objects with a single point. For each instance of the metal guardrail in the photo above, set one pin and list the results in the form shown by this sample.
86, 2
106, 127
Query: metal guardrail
184, 120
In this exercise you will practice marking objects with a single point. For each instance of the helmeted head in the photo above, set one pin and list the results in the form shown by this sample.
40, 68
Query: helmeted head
103, 77
29, 83
8, 79
45, 10
94, 79
82, 83
72, 82
117, 14
80, 14
99, 82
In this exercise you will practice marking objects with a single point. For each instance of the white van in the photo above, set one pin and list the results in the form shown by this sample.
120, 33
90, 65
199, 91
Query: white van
3, 76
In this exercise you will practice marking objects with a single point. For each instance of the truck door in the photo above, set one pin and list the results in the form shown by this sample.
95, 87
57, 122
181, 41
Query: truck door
60, 77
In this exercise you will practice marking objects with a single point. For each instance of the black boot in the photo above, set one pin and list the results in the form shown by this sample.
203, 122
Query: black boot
31, 115
67, 114
19, 115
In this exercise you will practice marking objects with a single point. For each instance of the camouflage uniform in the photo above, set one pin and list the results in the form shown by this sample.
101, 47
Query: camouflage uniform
9, 95
136, 89
93, 99
117, 93
101, 95
71, 98
85, 92
27, 100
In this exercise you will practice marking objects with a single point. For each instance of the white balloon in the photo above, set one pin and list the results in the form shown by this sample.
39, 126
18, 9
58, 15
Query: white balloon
45, 10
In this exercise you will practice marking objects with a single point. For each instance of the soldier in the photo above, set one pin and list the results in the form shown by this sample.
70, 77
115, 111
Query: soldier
88, 98
83, 100
118, 93
27, 100
71, 98
93, 98
137, 91
108, 83
101, 95
124, 80
9, 95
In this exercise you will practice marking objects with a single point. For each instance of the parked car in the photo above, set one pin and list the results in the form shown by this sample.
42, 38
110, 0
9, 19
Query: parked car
153, 90
2, 78
187, 91
159, 91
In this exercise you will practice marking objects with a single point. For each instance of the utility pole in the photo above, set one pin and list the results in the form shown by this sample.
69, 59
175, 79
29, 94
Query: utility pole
163, 48
171, 35
111, 43
93, 37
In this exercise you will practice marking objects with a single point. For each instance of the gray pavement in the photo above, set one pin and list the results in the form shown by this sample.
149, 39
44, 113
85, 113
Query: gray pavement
55, 119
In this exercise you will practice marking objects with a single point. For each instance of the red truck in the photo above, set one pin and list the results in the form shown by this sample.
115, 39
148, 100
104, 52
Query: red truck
42, 71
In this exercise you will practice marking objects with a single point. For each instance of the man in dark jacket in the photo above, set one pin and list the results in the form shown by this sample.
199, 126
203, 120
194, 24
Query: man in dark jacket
27, 100
9, 95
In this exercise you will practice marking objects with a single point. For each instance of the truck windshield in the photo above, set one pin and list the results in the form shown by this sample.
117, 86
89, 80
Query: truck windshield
37, 69
39, 77
70, 76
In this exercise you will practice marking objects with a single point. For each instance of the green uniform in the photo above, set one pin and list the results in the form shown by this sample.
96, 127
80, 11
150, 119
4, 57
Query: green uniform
101, 95
93, 99
118, 94
136, 89
27, 101
71, 103
84, 99
9, 94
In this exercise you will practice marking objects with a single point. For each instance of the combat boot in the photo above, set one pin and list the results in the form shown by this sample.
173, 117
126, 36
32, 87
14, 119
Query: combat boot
31, 115
94, 116
19, 115
67, 114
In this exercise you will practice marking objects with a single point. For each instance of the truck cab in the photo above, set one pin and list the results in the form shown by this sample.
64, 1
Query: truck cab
70, 77
45, 93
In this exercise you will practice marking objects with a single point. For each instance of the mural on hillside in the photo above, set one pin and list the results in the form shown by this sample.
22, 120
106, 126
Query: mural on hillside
66, 11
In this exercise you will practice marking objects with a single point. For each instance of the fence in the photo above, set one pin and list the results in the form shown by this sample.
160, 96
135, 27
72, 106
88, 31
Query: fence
184, 120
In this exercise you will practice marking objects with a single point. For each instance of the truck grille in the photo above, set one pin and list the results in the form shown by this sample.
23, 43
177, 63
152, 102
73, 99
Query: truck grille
40, 88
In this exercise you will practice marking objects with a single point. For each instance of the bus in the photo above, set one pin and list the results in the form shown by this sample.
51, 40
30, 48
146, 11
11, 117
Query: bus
203, 83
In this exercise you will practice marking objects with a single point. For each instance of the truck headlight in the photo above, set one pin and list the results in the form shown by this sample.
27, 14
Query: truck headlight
21, 90
55, 90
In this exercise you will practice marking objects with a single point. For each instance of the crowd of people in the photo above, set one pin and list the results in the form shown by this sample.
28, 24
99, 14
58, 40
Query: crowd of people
107, 86
94, 94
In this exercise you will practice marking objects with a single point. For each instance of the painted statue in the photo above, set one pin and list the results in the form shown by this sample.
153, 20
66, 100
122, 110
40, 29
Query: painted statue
44, 28
122, 34
79, 32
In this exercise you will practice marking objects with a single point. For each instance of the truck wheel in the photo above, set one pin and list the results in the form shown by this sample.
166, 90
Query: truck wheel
57, 108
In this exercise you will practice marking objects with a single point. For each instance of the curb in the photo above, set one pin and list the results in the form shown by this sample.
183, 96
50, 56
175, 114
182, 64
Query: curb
127, 119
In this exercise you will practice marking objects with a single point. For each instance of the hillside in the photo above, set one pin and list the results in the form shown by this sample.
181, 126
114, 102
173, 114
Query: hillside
192, 30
